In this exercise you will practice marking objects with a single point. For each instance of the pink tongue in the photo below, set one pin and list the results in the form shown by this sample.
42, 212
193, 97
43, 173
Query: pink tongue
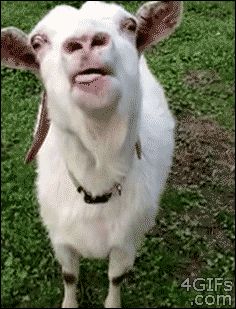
87, 78
92, 83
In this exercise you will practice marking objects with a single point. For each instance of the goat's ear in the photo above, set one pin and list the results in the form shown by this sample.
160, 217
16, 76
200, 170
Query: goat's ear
156, 21
16, 52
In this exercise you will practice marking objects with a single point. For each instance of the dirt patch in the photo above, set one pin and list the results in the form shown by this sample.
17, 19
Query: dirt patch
204, 160
196, 78
215, 236
192, 269
204, 154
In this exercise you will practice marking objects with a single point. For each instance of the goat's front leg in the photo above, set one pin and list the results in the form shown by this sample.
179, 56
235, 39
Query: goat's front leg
69, 261
120, 263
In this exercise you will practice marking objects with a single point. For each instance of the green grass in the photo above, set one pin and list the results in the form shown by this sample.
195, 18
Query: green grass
194, 235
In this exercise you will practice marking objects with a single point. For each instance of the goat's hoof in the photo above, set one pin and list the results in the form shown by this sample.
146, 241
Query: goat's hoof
111, 303
70, 304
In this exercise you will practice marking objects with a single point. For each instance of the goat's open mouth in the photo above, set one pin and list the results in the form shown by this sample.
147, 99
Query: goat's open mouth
90, 75
94, 71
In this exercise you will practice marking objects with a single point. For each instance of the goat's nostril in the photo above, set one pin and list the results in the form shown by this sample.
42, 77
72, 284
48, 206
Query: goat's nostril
86, 42
72, 46
100, 39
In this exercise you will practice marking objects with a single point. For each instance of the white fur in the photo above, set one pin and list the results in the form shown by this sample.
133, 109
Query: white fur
98, 146
95, 229
100, 152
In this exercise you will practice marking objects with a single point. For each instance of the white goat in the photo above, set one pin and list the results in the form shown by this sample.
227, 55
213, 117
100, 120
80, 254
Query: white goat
97, 187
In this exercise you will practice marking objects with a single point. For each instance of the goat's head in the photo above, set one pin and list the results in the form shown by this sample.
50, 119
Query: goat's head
88, 57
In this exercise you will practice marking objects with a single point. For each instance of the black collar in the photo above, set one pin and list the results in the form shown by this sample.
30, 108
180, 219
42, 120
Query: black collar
89, 199
101, 199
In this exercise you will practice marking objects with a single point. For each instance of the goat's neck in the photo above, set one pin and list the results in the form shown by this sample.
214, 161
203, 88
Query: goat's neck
100, 149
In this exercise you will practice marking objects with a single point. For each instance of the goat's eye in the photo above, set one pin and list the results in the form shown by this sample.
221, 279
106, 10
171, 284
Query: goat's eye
37, 41
129, 24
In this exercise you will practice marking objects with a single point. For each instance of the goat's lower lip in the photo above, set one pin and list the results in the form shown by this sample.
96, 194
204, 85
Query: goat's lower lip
95, 83
87, 78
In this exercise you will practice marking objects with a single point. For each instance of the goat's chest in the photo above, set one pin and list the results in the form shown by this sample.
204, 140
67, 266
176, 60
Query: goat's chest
91, 229
90, 237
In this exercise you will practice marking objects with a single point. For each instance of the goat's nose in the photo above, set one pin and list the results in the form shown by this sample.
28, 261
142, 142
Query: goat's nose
87, 42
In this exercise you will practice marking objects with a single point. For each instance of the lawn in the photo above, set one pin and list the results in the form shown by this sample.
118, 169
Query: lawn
194, 233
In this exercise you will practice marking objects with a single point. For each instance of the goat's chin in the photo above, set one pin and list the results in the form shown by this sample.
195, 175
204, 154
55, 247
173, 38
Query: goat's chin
98, 99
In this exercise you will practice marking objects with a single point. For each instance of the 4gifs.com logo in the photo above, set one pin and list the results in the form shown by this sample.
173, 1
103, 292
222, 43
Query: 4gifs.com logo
212, 291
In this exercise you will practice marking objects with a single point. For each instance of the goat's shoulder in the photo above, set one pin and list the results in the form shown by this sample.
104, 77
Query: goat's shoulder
155, 109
